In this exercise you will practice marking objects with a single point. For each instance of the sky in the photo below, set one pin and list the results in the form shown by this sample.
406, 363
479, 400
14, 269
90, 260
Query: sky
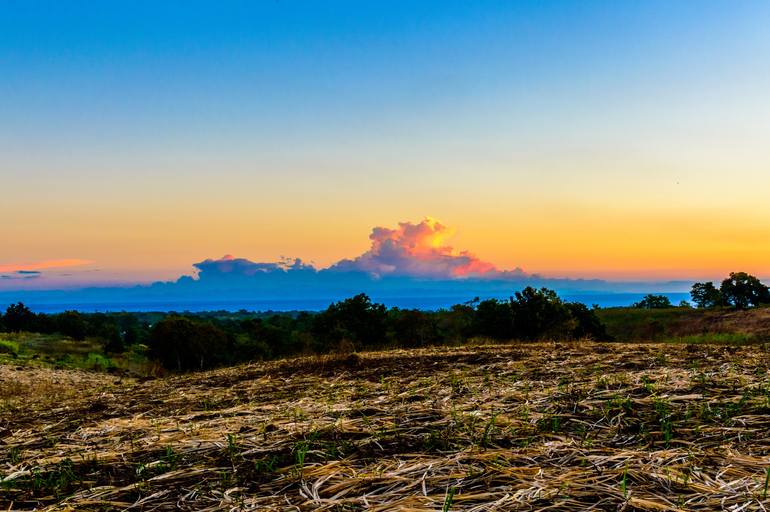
616, 140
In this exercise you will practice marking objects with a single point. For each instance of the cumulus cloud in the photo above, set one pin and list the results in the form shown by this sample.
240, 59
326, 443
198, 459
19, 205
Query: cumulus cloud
417, 250
414, 250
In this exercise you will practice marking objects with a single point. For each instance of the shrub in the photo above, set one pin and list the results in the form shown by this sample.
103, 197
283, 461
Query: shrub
98, 362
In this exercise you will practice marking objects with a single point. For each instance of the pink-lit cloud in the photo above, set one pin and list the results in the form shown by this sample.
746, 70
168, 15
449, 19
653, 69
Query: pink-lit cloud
417, 250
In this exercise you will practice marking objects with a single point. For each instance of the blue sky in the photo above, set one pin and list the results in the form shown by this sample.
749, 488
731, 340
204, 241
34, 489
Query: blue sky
144, 136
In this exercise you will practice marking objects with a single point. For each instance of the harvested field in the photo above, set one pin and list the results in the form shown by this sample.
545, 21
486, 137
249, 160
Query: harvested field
513, 427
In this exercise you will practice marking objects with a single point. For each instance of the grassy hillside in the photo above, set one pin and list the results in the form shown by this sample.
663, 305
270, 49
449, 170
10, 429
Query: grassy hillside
687, 325
524, 427
60, 352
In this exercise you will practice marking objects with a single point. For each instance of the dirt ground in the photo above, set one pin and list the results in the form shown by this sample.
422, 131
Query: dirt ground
543, 426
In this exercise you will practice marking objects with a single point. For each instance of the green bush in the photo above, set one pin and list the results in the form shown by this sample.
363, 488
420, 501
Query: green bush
98, 362
9, 347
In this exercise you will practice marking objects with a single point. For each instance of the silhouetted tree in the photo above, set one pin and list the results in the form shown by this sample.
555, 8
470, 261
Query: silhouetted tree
706, 295
651, 301
743, 290
357, 321
540, 314
19, 317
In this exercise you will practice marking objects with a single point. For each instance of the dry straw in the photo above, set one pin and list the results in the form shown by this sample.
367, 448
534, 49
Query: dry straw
579, 426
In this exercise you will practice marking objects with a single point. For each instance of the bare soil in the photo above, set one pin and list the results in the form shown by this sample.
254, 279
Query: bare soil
545, 426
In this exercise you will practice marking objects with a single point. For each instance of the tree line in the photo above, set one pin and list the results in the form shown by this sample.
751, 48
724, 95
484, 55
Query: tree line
739, 290
193, 341
190, 341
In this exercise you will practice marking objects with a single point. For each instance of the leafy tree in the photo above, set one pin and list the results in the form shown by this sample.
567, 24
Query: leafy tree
651, 301
357, 321
19, 317
536, 314
706, 295
540, 314
743, 290
183, 344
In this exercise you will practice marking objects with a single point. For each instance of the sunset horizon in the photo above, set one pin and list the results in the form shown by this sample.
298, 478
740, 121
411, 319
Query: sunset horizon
396, 255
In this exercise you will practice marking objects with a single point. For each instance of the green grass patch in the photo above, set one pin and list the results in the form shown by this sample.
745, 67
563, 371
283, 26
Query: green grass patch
716, 338
98, 362
722, 326
635, 324
9, 347
56, 351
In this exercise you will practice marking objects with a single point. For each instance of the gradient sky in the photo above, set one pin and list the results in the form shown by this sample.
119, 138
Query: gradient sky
624, 140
